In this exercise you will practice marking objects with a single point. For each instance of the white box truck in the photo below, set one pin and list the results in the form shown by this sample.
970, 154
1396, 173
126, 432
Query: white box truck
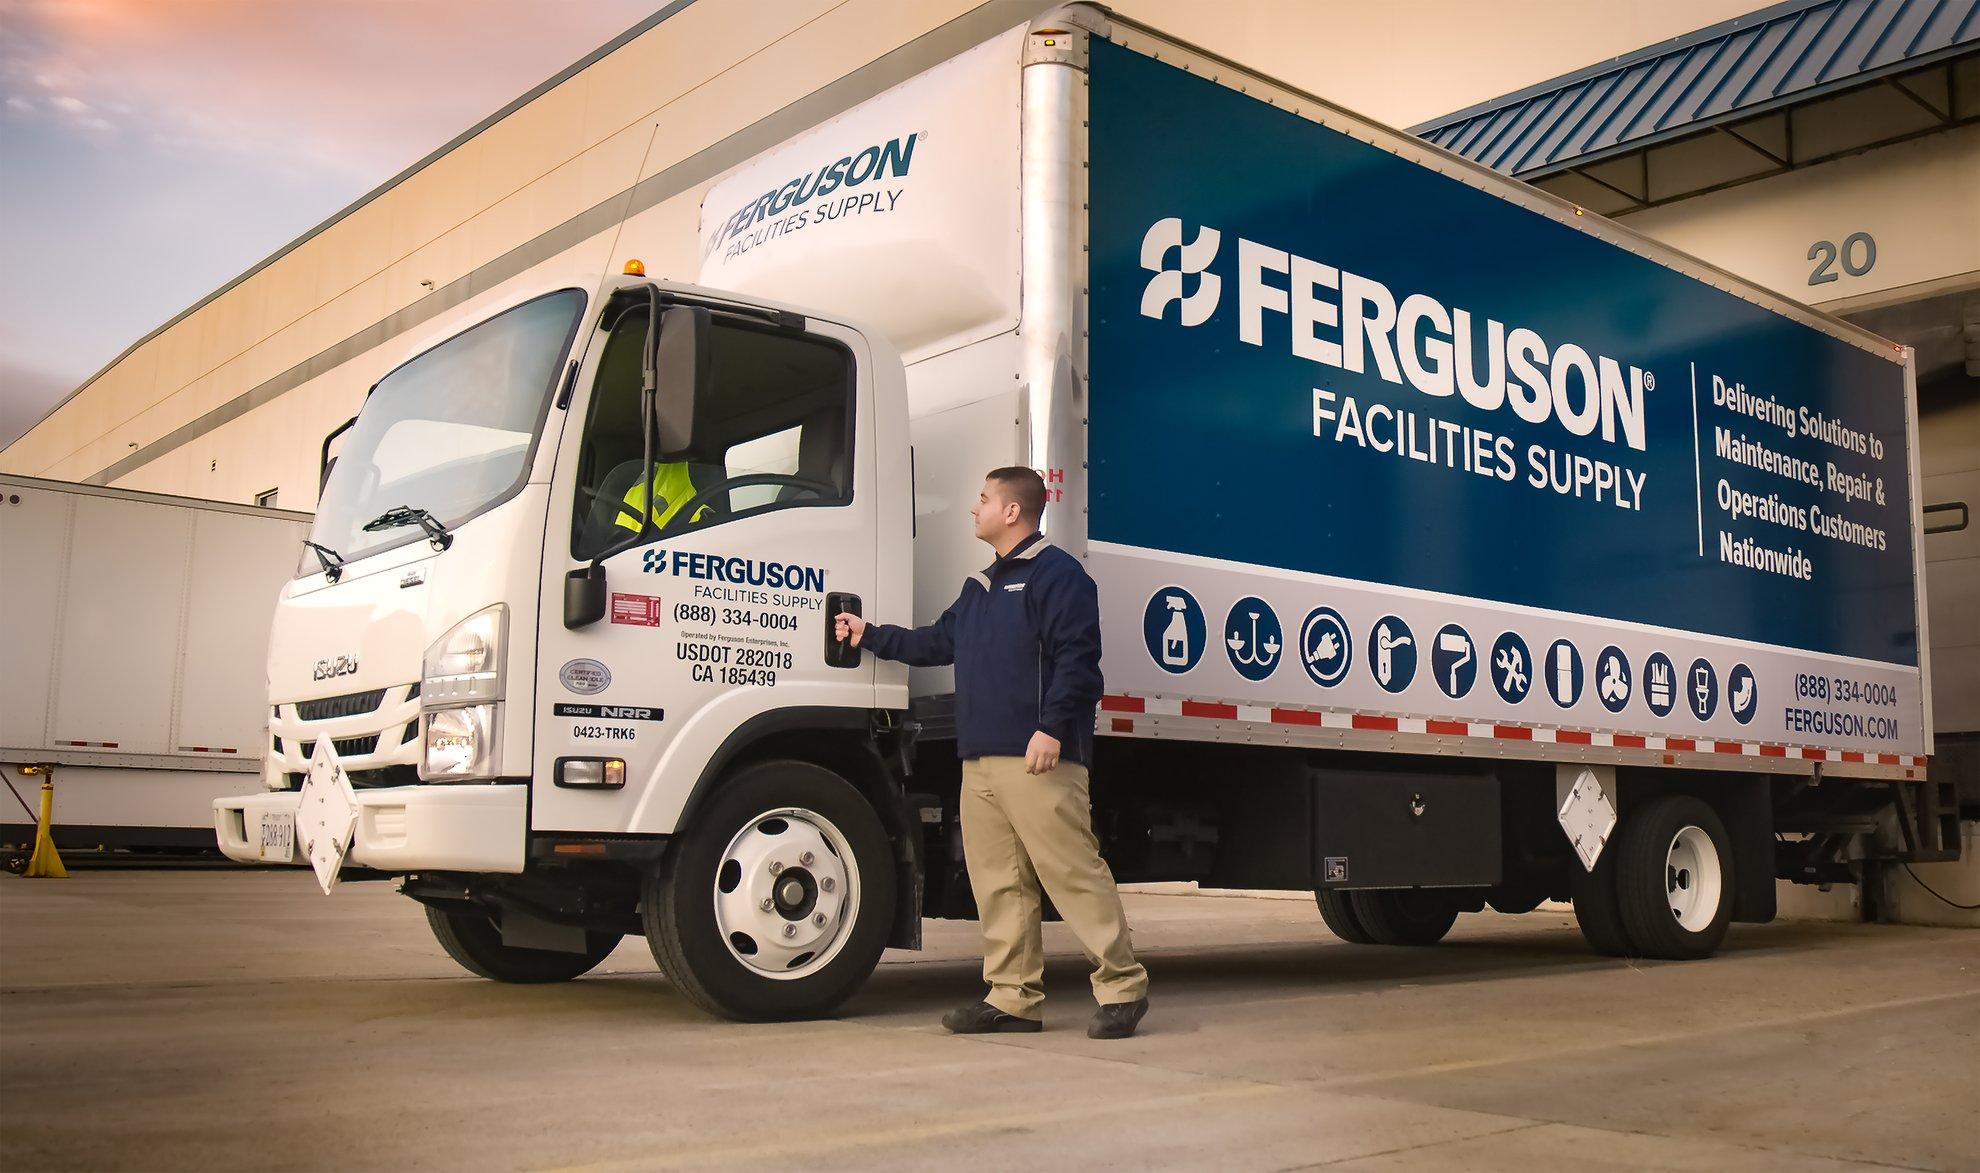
1456, 548
133, 657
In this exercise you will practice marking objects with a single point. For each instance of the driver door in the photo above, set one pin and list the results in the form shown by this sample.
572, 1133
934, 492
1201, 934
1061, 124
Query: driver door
723, 613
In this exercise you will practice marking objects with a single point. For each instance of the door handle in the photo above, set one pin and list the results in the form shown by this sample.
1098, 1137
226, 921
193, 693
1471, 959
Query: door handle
839, 654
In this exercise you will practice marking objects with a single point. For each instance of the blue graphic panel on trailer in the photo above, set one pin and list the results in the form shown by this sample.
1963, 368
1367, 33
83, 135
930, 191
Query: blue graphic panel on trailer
1321, 357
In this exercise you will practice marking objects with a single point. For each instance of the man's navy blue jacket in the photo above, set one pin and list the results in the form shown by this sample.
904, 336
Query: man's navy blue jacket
1024, 636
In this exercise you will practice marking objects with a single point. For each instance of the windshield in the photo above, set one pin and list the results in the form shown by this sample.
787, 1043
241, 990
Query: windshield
450, 432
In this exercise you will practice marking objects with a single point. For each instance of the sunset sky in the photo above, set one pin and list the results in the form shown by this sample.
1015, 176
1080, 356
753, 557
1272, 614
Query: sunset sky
152, 150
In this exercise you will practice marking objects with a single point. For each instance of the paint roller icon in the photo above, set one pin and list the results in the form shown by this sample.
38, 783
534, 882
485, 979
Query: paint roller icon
1455, 642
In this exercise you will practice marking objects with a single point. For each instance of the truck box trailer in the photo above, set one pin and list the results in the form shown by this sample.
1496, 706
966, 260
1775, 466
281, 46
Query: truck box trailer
133, 656
1456, 547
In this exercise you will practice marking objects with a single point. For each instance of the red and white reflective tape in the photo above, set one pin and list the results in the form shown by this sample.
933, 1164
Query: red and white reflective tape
1115, 703
90, 744
208, 749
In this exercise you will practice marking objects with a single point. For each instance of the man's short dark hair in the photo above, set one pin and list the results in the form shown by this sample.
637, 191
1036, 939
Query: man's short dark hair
1024, 486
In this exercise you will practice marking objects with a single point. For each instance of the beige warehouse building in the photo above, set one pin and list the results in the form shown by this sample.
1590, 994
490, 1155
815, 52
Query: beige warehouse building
1827, 149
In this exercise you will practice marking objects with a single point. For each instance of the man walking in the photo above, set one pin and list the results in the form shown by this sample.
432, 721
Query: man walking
1024, 636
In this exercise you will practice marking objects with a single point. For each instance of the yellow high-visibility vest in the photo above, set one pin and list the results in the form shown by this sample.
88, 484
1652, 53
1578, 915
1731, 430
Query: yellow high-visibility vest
671, 490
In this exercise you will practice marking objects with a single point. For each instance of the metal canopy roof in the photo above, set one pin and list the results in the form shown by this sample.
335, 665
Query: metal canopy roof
1785, 55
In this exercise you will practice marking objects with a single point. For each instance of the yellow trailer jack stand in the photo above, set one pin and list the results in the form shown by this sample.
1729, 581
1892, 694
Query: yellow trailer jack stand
45, 861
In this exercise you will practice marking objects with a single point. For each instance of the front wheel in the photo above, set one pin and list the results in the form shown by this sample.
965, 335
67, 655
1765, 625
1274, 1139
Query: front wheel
778, 904
470, 937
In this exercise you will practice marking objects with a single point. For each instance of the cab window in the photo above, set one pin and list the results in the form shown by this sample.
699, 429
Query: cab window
774, 433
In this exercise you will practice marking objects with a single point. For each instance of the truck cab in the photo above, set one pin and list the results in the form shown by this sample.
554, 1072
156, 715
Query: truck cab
502, 674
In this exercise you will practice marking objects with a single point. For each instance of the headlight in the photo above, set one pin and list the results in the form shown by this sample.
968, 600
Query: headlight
466, 663
460, 743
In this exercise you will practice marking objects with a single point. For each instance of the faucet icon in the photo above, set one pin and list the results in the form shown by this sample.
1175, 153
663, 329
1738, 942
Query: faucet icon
1250, 658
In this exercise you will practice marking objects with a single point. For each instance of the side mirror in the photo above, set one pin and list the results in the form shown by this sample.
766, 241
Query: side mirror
328, 461
584, 596
681, 373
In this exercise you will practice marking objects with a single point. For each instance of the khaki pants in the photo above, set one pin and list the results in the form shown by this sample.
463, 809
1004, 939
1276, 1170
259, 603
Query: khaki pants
1020, 830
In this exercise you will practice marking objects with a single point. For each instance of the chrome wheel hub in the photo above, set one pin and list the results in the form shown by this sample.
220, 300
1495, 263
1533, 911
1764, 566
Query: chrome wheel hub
786, 893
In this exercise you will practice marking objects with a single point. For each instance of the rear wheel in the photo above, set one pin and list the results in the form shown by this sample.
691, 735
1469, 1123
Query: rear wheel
1596, 909
778, 905
1338, 911
1674, 881
1404, 916
470, 937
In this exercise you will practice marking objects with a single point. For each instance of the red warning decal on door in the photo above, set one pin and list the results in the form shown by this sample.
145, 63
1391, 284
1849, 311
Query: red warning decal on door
638, 610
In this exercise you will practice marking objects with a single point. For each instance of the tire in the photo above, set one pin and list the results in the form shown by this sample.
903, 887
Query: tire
702, 906
1674, 878
1338, 911
1595, 908
1404, 916
470, 937
1515, 899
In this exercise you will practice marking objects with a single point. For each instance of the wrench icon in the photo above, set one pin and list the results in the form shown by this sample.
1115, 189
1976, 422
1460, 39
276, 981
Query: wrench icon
1514, 666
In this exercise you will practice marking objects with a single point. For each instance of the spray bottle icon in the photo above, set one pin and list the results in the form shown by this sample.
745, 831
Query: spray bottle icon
1175, 637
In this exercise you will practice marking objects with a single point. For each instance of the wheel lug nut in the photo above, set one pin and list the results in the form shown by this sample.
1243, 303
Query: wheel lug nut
790, 930
767, 904
806, 859
776, 865
828, 883
819, 920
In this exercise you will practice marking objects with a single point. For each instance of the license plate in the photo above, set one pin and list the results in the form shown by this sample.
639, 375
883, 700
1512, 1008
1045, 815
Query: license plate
278, 836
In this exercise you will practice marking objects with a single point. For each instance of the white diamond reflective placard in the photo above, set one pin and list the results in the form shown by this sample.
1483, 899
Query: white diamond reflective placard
326, 815
1588, 816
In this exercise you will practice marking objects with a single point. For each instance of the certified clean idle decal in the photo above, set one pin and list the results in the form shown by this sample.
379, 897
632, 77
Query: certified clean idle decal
585, 677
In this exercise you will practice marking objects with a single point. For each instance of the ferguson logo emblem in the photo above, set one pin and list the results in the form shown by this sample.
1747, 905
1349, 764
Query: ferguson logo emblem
1165, 236
331, 666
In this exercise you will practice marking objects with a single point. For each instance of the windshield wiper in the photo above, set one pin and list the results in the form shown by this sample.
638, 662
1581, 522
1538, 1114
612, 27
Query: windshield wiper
400, 515
333, 562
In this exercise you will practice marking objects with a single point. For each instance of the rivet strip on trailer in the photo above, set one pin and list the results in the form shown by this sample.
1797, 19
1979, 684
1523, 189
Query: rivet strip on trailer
1332, 719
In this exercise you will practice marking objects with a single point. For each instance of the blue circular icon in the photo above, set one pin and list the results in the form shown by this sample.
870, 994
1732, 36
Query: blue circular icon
1701, 689
1172, 626
1613, 683
1325, 648
1563, 671
1742, 693
1252, 638
1392, 653
1454, 661
1512, 668
1659, 684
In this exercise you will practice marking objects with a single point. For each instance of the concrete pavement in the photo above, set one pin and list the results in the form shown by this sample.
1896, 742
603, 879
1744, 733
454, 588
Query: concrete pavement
231, 1019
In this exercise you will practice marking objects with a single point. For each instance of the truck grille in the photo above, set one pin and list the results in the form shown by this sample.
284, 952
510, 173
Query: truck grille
375, 733
349, 705
346, 747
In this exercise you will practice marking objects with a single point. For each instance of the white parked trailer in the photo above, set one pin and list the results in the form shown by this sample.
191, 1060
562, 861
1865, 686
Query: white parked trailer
133, 653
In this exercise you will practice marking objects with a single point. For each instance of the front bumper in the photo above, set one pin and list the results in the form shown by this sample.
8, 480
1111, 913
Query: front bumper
448, 827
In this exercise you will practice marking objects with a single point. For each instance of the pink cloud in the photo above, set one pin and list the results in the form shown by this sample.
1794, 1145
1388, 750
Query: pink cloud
363, 86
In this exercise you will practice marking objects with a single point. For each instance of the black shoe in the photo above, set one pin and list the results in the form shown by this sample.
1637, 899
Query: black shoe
1117, 1021
981, 1018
